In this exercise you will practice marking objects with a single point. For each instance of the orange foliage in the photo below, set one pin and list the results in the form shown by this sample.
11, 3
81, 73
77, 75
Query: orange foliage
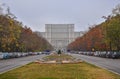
93, 39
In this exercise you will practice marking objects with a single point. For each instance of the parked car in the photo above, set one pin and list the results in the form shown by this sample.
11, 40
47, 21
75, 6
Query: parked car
97, 53
24, 54
11, 55
116, 55
19, 54
1, 55
6, 55
81, 52
103, 54
109, 54
90, 53
85, 53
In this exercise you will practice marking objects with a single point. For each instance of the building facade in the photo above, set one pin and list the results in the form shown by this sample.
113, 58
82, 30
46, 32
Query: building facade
60, 35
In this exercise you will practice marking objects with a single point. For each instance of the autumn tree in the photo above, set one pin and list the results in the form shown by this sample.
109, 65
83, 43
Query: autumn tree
112, 32
15, 37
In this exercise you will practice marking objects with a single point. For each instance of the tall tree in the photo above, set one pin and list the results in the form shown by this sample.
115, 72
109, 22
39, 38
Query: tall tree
113, 32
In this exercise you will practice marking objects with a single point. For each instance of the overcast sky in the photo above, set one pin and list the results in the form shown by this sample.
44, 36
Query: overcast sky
82, 13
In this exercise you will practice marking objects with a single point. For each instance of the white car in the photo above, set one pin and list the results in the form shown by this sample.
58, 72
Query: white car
1, 55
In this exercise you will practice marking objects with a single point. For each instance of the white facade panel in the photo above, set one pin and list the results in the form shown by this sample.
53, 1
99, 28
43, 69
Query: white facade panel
60, 35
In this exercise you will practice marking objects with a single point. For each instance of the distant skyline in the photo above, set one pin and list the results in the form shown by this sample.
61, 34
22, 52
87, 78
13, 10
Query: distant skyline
83, 13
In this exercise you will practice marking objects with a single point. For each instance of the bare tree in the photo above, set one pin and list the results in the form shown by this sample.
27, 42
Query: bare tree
116, 10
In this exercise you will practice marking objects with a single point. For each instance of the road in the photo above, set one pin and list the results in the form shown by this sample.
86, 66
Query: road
9, 64
109, 64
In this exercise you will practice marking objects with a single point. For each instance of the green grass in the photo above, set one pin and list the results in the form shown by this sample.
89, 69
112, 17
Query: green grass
59, 71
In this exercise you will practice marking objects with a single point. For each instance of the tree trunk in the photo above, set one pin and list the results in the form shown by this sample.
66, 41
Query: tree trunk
110, 46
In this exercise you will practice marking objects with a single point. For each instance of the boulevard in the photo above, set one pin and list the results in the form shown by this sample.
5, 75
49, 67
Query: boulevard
9, 64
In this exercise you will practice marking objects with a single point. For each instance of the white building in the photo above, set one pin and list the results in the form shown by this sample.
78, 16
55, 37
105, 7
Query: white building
60, 35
